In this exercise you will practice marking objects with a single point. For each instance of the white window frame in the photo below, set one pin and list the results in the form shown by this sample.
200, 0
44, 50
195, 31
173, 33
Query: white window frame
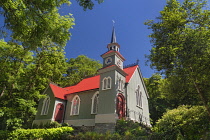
93, 103
45, 106
107, 83
72, 113
120, 84
138, 97
104, 83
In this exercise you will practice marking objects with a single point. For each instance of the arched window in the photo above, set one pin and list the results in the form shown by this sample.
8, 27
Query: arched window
109, 82
95, 98
120, 84
138, 97
106, 83
75, 104
45, 106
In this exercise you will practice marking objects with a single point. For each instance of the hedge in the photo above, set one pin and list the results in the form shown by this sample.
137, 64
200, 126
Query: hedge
33, 134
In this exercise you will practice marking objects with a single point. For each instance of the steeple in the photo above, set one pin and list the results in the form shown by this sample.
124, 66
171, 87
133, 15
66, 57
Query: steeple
113, 39
113, 45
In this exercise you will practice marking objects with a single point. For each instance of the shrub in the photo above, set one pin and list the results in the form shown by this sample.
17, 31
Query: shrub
128, 127
52, 124
184, 122
3, 134
45, 134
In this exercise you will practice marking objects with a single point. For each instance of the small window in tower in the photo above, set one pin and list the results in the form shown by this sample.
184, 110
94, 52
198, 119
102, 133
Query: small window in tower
109, 82
119, 84
106, 83
122, 84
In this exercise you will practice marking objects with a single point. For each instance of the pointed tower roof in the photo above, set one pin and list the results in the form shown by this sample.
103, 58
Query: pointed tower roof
113, 45
113, 39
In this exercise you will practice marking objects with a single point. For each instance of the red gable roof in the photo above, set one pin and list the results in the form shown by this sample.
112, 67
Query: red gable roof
59, 92
130, 72
86, 84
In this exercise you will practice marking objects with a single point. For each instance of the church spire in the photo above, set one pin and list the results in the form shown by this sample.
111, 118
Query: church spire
113, 39
113, 44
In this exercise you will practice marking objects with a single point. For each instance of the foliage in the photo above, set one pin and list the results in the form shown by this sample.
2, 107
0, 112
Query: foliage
181, 41
80, 68
130, 128
95, 136
158, 103
24, 75
32, 22
45, 134
184, 122
52, 124
106, 136
88, 4
179, 91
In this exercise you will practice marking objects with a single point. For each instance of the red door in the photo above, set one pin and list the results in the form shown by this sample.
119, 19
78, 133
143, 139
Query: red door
59, 112
120, 106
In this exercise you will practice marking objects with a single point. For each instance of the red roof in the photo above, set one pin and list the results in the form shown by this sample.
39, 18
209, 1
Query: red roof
130, 72
59, 92
86, 84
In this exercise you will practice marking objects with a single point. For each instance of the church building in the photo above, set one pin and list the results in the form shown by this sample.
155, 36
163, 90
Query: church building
116, 92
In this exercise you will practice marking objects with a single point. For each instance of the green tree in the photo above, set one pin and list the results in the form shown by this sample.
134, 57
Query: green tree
24, 76
185, 122
33, 56
31, 22
158, 103
80, 68
181, 41
179, 91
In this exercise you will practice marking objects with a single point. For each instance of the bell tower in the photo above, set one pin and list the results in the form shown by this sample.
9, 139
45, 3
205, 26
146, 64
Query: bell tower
113, 56
112, 82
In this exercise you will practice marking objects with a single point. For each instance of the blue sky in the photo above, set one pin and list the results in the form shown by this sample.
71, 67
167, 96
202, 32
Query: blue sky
93, 28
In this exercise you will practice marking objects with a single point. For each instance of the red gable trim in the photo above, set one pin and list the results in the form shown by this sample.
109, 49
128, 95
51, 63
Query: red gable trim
85, 84
59, 92
130, 71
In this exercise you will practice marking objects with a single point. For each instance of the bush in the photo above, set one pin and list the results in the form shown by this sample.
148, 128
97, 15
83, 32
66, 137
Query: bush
45, 134
3, 134
52, 124
185, 122
128, 128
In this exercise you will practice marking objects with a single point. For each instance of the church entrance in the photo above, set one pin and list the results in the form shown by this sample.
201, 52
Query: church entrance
120, 106
59, 112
